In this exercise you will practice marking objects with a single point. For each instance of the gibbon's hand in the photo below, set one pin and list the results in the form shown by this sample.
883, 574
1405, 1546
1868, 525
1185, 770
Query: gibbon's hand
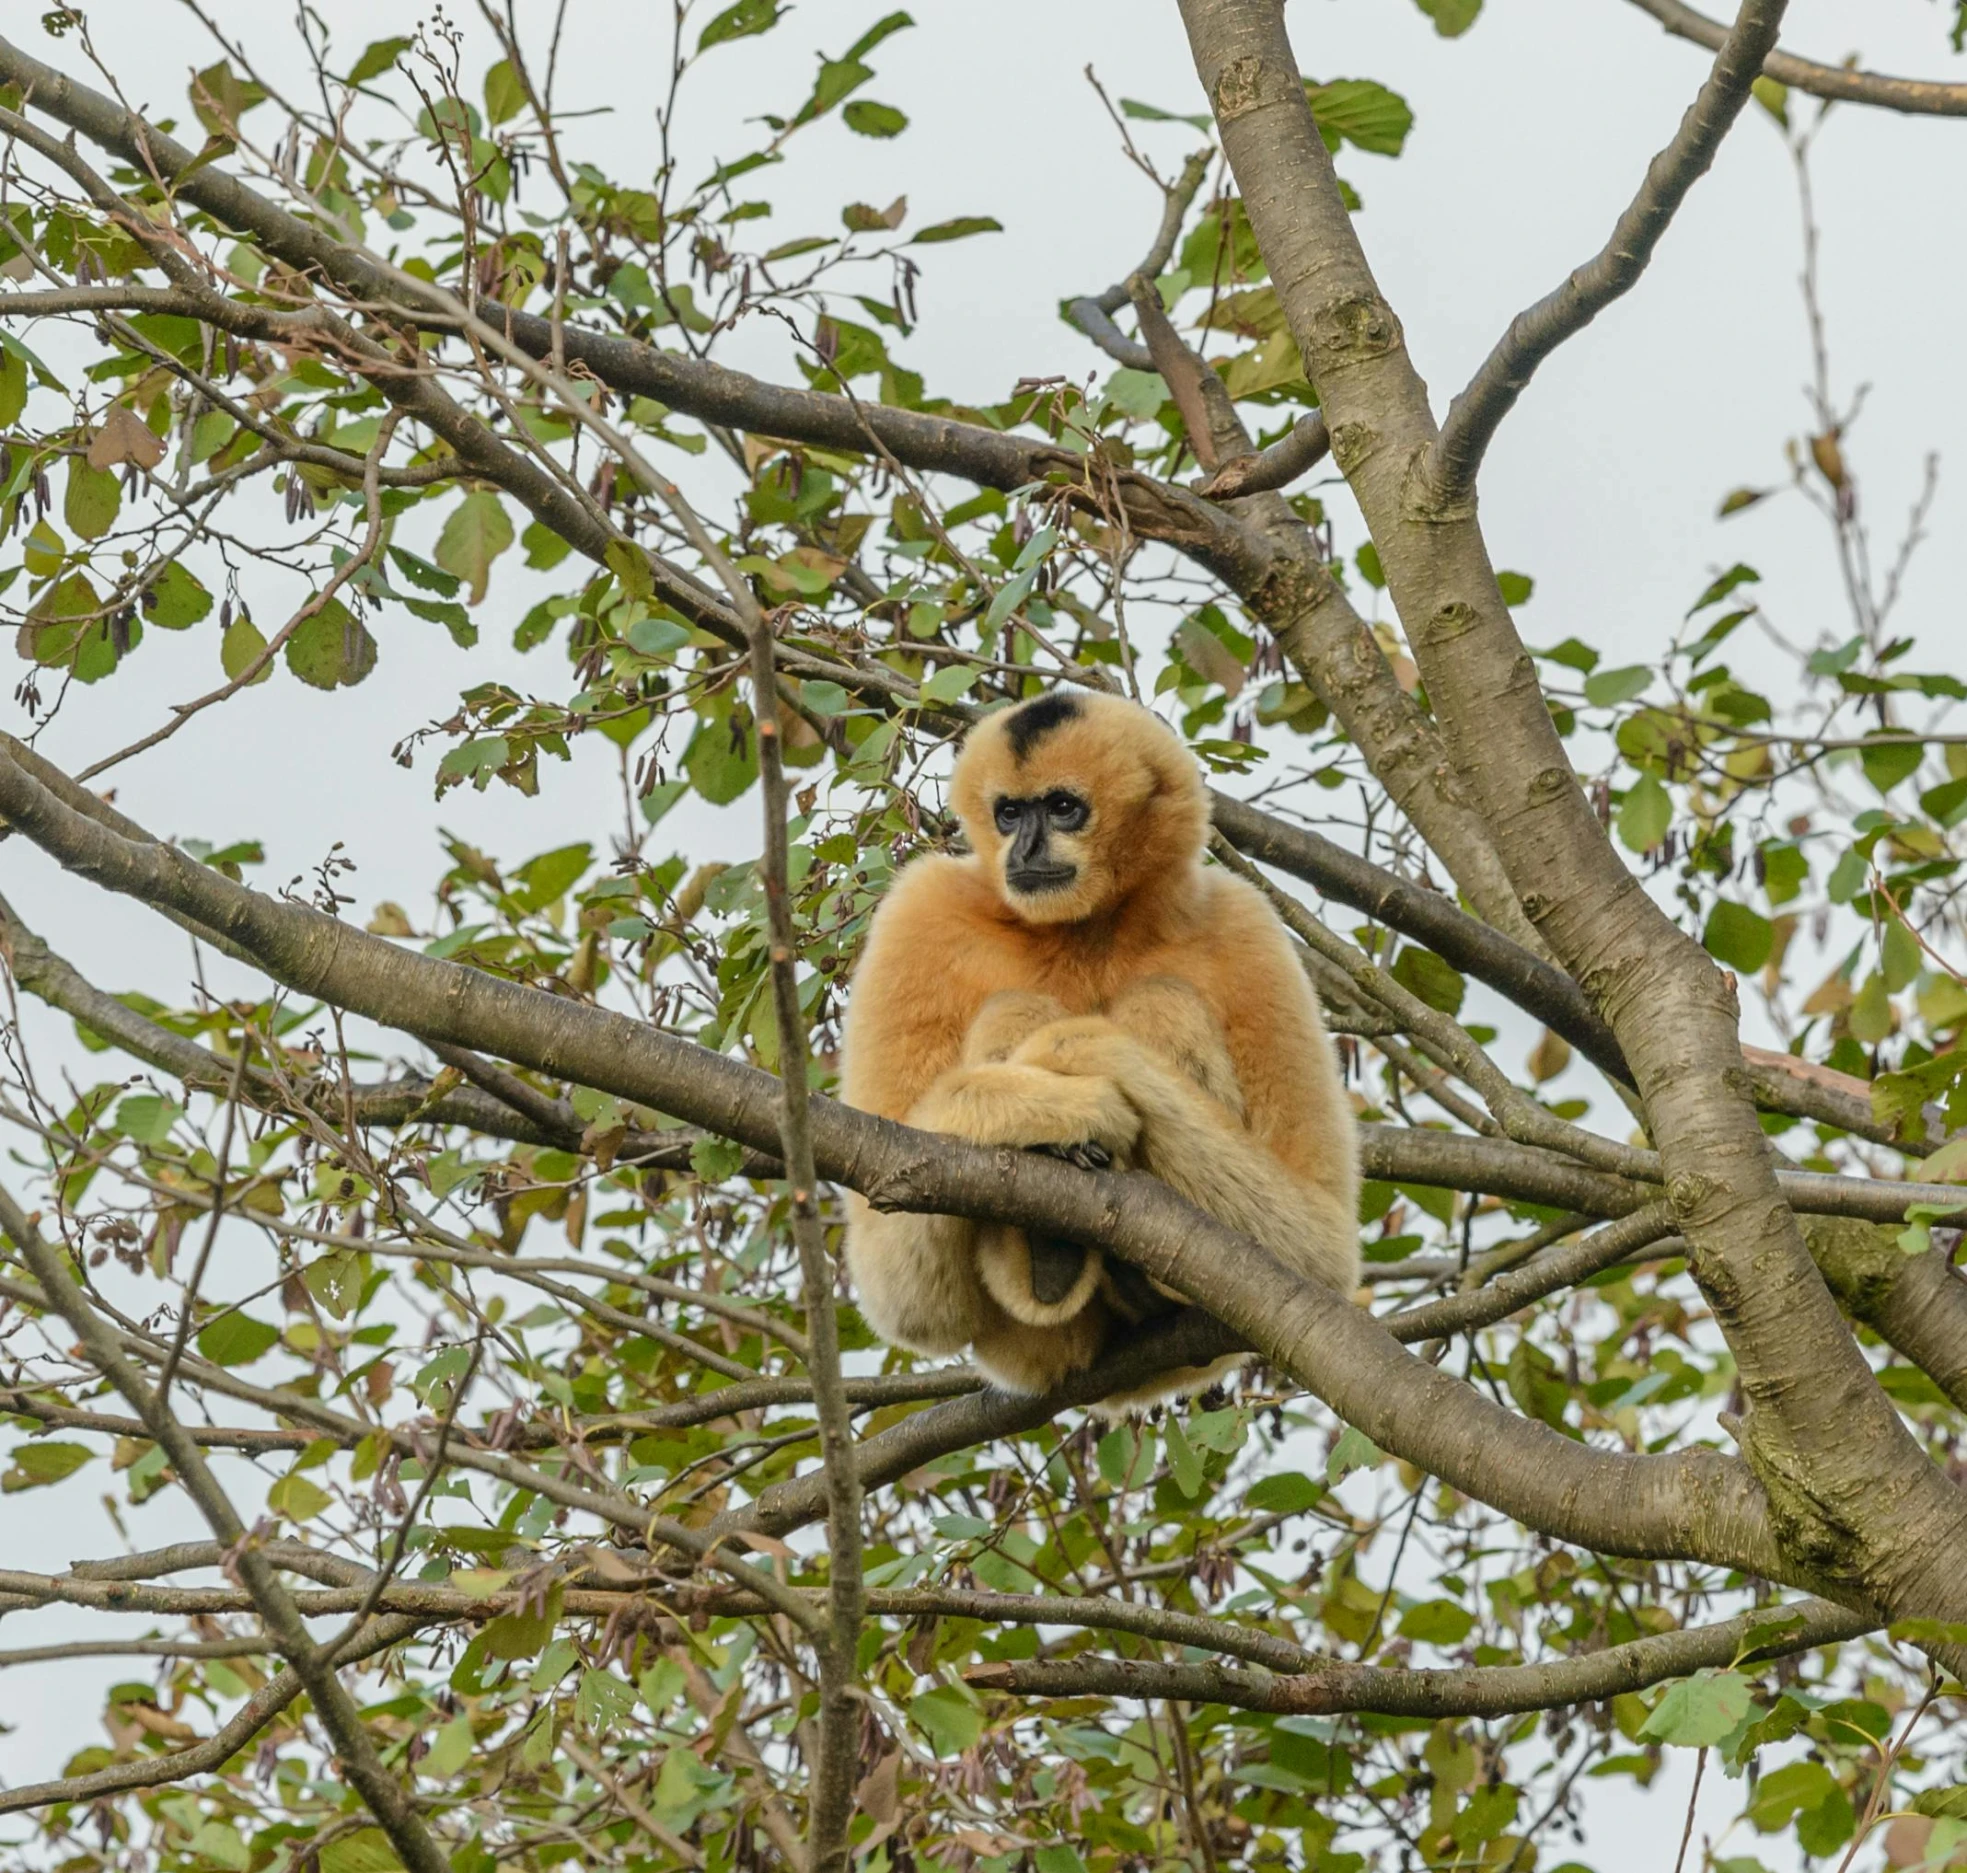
1089, 1047
1088, 1155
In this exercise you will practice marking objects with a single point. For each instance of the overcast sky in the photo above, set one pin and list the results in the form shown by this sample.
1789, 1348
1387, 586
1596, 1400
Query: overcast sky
1530, 134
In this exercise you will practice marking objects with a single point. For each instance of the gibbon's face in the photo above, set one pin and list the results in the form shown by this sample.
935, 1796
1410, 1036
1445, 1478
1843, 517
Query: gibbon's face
1074, 800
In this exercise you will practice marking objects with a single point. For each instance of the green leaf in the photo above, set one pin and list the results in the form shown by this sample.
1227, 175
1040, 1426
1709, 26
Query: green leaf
147, 1118
739, 22
505, 92
545, 549
237, 1340
449, 1750
13, 386
1738, 937
1422, 973
1697, 1712
332, 649
1354, 1451
1737, 574
1888, 759
1182, 1460
94, 495
379, 57
240, 646
297, 1498
1366, 114
1451, 18
868, 119
176, 601
1515, 587
1606, 689
722, 766
476, 533
948, 683
715, 1159
1289, 1493
1645, 814
950, 1720
959, 229
1437, 1622
657, 637
220, 97
367, 1850
1870, 1013
36, 1465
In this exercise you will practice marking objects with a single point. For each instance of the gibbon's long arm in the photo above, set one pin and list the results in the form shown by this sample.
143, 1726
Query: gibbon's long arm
1288, 1174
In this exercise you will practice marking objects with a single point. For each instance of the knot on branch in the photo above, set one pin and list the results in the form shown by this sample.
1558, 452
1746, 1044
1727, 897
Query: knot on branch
1246, 83
1353, 330
1352, 444
1550, 784
1454, 619
1686, 1191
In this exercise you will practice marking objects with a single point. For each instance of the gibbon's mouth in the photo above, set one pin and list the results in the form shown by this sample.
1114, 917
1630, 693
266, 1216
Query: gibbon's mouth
1034, 880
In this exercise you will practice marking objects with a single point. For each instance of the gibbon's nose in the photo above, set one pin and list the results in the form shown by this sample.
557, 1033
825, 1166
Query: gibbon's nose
1030, 865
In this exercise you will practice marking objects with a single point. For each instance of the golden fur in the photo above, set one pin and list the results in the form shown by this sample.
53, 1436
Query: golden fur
1146, 1005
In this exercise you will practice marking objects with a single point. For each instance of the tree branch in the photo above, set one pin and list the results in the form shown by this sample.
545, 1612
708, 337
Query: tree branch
1916, 96
1477, 1691
1535, 333
316, 1669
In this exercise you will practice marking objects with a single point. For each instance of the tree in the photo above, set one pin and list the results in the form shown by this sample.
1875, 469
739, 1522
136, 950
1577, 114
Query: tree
635, 1549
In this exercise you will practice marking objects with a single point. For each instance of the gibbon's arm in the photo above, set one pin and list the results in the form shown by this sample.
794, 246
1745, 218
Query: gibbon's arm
1288, 1175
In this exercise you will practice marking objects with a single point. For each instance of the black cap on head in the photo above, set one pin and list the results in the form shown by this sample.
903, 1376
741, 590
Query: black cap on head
1026, 726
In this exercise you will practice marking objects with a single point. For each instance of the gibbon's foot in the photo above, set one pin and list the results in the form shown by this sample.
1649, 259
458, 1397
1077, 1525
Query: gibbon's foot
1057, 1268
1136, 1297
1043, 1281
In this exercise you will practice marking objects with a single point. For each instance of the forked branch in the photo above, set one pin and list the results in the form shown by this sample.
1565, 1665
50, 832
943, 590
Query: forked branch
1535, 333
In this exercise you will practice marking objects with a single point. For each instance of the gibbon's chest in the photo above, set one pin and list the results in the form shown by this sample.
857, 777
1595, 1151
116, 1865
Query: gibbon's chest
1087, 967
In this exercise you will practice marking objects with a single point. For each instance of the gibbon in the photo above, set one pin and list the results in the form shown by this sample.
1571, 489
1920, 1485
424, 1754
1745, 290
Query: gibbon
1080, 984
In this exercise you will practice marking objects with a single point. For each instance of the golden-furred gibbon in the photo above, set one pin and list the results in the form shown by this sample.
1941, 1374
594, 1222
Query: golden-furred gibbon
1081, 984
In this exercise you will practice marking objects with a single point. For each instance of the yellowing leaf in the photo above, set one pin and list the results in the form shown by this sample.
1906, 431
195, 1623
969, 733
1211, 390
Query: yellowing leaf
476, 533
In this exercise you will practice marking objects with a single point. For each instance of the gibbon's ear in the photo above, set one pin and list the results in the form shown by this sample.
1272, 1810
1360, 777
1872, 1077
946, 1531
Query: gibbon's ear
1077, 799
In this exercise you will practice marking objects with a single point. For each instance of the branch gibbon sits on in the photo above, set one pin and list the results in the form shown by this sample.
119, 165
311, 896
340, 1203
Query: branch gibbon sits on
1081, 984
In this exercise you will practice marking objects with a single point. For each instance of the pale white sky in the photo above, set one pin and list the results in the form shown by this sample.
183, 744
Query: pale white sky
1531, 133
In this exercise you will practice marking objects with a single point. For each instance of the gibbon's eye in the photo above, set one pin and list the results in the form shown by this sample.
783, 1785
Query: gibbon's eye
1007, 816
1066, 811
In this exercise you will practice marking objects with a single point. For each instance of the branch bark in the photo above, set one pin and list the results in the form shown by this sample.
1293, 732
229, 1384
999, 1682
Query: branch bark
1478, 1691
1842, 83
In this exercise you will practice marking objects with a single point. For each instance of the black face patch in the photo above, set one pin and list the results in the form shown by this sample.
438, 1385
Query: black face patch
1024, 728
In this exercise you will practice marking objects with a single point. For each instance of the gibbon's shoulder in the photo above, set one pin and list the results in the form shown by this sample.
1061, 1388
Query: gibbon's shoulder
932, 888
1237, 912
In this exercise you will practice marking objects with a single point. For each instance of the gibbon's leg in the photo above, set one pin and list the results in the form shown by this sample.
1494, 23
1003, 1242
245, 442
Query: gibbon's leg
1007, 1104
1194, 1146
1025, 1358
1041, 1280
